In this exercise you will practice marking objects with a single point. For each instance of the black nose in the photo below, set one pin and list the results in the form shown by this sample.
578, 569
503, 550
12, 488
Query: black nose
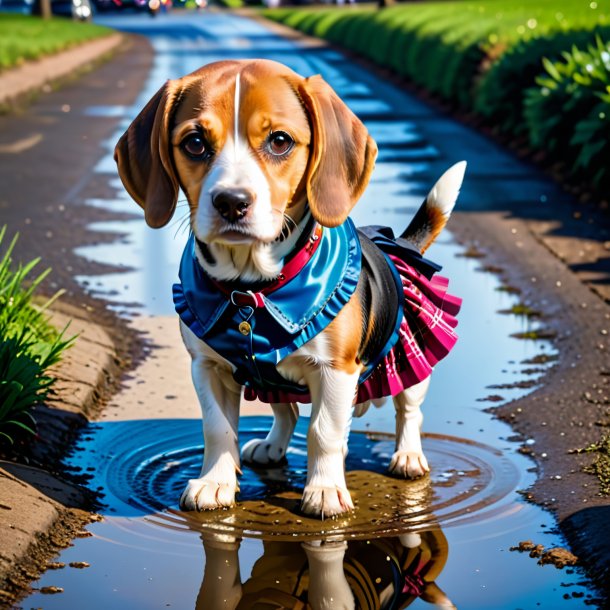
233, 204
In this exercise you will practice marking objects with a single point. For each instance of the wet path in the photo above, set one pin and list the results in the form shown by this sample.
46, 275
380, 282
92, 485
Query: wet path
149, 441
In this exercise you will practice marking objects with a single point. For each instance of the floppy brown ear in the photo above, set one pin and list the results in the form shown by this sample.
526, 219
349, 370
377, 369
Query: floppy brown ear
144, 160
342, 154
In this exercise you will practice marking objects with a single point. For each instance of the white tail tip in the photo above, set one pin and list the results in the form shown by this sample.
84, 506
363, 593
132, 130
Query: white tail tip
445, 192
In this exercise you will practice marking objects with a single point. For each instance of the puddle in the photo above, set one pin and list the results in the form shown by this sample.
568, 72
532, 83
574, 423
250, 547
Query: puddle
443, 537
143, 474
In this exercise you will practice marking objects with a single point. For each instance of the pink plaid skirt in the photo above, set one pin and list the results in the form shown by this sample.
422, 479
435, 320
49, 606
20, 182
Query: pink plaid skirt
426, 336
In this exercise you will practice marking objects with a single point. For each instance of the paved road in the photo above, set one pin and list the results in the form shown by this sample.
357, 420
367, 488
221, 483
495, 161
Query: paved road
508, 209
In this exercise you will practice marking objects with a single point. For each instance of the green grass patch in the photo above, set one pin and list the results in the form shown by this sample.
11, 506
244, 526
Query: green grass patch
29, 344
231, 3
484, 56
24, 38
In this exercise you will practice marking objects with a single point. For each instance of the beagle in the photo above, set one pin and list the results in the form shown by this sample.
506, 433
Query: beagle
327, 575
281, 298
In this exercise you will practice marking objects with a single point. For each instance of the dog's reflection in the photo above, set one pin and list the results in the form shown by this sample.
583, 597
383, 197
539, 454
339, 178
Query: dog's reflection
386, 573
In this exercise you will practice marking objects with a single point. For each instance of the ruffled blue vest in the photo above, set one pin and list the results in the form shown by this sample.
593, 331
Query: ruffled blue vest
256, 338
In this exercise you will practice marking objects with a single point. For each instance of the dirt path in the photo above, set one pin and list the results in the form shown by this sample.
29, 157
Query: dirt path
47, 153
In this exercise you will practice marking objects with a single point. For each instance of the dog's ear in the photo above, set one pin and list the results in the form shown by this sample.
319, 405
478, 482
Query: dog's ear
342, 154
144, 158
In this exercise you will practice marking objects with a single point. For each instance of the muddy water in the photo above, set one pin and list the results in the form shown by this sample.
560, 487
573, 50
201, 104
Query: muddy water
444, 537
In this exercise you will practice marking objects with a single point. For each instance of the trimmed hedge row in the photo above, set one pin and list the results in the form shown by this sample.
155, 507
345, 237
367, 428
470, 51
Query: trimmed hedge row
479, 56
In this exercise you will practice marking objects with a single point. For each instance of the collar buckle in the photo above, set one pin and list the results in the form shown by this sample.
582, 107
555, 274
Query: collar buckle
247, 299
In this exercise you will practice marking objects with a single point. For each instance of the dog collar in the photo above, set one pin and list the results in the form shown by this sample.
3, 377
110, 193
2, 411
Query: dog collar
253, 295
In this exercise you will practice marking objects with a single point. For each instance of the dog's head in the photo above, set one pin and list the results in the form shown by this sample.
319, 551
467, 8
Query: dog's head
250, 143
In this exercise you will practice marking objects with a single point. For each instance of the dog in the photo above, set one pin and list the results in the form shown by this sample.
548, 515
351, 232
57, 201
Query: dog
281, 298
330, 573
377, 574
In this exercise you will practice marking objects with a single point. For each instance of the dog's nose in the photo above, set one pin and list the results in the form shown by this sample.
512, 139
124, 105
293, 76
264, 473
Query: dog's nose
233, 204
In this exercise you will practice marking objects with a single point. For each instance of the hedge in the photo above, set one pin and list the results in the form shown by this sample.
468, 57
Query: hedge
568, 113
480, 57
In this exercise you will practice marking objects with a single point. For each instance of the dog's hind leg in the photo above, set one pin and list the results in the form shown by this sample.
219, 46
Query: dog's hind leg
272, 449
408, 460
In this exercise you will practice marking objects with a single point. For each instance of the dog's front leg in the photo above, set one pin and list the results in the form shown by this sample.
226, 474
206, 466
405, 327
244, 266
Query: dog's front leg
221, 586
332, 394
219, 396
328, 587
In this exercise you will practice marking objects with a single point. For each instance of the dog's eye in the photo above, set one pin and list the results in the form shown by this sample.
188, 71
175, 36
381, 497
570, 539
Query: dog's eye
194, 145
279, 143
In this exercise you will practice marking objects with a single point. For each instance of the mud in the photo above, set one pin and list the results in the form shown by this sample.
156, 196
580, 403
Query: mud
558, 556
67, 526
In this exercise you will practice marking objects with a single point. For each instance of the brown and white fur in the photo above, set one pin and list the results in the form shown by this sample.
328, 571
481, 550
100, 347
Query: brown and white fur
256, 148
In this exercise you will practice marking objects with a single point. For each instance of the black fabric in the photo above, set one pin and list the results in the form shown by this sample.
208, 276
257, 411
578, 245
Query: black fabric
400, 247
381, 302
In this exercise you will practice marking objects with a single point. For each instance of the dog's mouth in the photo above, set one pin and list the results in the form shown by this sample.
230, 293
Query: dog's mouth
235, 237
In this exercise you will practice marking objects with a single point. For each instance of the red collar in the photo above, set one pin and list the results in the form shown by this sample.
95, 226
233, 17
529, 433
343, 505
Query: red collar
240, 296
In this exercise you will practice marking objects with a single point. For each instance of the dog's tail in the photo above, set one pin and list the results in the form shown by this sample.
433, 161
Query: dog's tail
434, 212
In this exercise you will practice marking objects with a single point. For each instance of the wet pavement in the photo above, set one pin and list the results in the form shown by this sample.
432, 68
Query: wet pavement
463, 520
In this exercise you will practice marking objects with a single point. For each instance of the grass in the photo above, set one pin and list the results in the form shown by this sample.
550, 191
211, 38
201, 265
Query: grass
29, 345
600, 467
24, 38
450, 48
494, 60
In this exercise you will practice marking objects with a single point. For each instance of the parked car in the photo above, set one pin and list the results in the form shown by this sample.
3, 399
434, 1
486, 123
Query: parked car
16, 6
116, 5
80, 10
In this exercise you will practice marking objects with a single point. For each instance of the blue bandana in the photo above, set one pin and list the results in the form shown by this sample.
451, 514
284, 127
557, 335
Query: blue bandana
256, 337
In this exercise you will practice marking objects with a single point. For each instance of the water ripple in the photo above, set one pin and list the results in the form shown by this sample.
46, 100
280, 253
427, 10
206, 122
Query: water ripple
144, 465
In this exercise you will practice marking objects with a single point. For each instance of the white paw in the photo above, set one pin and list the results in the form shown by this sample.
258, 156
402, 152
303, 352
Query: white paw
409, 464
262, 452
206, 494
326, 501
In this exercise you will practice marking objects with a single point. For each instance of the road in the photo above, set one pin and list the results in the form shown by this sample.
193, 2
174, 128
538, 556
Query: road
507, 211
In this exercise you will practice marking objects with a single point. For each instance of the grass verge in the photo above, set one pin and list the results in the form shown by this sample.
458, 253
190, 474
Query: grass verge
485, 57
24, 38
29, 345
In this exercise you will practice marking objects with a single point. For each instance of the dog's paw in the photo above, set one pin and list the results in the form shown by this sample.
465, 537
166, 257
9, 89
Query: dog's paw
261, 452
206, 494
409, 464
326, 501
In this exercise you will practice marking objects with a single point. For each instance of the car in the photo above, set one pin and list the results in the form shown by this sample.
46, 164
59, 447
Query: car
16, 6
116, 5
80, 10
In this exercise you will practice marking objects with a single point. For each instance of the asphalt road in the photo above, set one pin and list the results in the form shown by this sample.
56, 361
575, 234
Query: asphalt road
520, 221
